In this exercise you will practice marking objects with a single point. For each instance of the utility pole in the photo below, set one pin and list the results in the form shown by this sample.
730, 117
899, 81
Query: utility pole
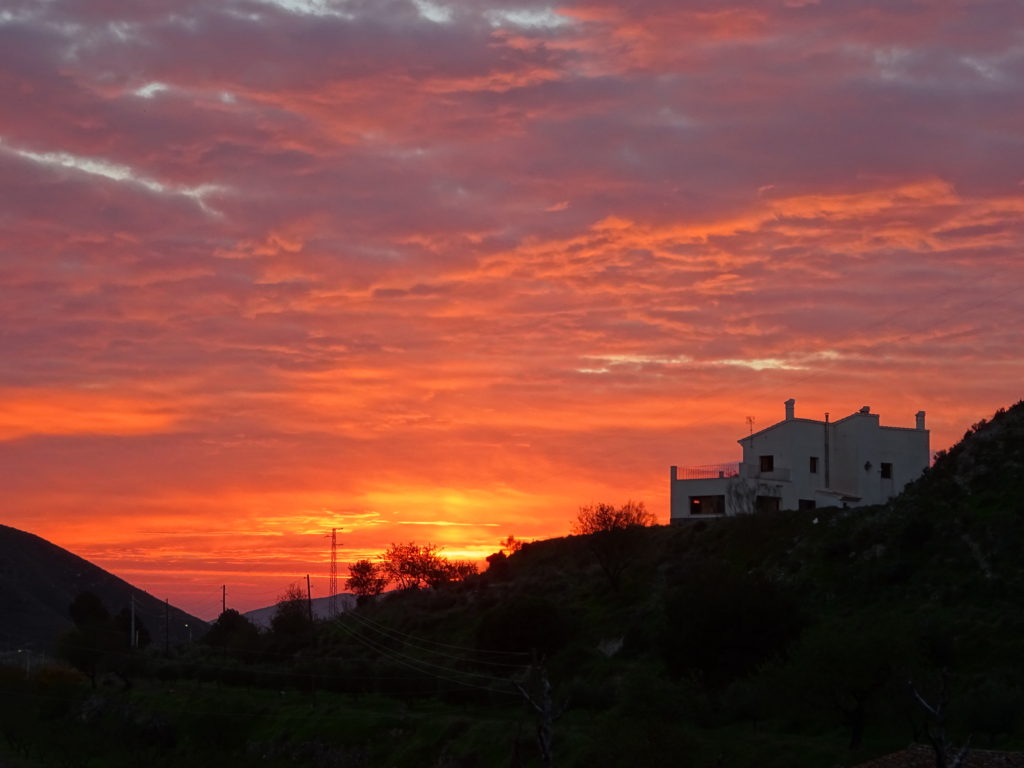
309, 599
223, 597
131, 639
167, 626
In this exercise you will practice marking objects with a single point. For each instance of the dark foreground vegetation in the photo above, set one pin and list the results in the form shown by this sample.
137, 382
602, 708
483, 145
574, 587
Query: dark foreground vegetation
815, 638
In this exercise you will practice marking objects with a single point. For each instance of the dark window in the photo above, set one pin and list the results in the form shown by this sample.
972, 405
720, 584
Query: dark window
707, 505
803, 504
814, 465
768, 503
767, 463
886, 470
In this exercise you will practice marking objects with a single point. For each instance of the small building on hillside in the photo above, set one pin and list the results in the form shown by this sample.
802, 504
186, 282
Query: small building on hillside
803, 464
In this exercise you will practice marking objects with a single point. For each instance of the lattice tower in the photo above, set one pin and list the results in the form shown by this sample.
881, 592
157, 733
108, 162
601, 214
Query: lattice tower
332, 587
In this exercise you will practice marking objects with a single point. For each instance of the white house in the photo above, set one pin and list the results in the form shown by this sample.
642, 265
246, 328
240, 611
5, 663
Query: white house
803, 464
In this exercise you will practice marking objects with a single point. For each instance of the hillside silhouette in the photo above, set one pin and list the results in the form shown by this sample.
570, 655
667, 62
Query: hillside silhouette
39, 580
776, 640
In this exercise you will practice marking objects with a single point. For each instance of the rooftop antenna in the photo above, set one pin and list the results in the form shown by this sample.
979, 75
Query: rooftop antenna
750, 426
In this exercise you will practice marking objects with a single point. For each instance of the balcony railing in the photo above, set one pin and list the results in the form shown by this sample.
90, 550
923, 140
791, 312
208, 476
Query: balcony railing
708, 471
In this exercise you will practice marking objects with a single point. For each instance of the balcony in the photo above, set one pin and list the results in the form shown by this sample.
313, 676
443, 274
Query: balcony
708, 471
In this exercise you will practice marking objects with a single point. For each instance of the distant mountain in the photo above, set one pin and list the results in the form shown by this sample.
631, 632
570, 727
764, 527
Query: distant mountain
38, 581
321, 609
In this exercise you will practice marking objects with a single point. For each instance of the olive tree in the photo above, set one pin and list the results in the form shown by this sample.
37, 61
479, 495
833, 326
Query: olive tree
611, 534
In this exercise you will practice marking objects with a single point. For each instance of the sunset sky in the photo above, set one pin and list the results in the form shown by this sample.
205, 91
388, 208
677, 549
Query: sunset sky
445, 271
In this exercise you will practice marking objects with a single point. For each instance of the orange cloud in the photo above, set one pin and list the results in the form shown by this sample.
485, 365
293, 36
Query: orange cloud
69, 412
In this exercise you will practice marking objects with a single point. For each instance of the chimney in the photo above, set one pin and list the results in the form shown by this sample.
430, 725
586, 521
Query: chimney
789, 409
865, 409
920, 419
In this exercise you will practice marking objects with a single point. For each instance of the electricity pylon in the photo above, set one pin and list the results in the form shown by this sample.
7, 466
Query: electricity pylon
332, 586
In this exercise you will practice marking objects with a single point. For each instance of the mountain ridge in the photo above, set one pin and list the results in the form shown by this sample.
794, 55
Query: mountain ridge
38, 581
261, 617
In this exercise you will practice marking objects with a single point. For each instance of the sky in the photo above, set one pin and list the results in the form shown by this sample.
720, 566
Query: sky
447, 271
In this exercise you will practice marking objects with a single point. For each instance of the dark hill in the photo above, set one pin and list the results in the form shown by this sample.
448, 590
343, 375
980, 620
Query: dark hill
984, 469
38, 581
773, 639
777, 640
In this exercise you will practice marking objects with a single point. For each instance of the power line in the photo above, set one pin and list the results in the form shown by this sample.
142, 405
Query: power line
325, 672
417, 665
466, 649
381, 648
417, 644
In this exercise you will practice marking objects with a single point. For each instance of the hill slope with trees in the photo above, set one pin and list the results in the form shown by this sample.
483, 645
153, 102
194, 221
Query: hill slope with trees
820, 637
39, 581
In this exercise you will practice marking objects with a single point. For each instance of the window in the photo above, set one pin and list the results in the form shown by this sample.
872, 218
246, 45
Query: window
768, 504
886, 470
804, 504
814, 465
767, 463
707, 505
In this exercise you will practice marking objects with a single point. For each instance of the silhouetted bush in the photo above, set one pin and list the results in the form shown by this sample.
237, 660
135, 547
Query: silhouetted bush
993, 706
234, 634
720, 625
291, 617
524, 623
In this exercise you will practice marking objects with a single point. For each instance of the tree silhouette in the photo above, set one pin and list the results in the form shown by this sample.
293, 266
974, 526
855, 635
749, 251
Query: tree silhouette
89, 646
233, 633
611, 533
415, 566
602, 518
291, 617
87, 609
510, 544
366, 579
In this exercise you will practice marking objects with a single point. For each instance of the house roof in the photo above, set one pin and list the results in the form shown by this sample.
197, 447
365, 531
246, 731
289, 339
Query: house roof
817, 422
921, 756
778, 424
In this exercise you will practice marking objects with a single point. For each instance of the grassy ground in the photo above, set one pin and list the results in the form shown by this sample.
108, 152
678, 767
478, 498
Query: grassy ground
185, 724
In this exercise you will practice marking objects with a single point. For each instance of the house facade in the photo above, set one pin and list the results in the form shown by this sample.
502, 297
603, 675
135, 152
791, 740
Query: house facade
806, 463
